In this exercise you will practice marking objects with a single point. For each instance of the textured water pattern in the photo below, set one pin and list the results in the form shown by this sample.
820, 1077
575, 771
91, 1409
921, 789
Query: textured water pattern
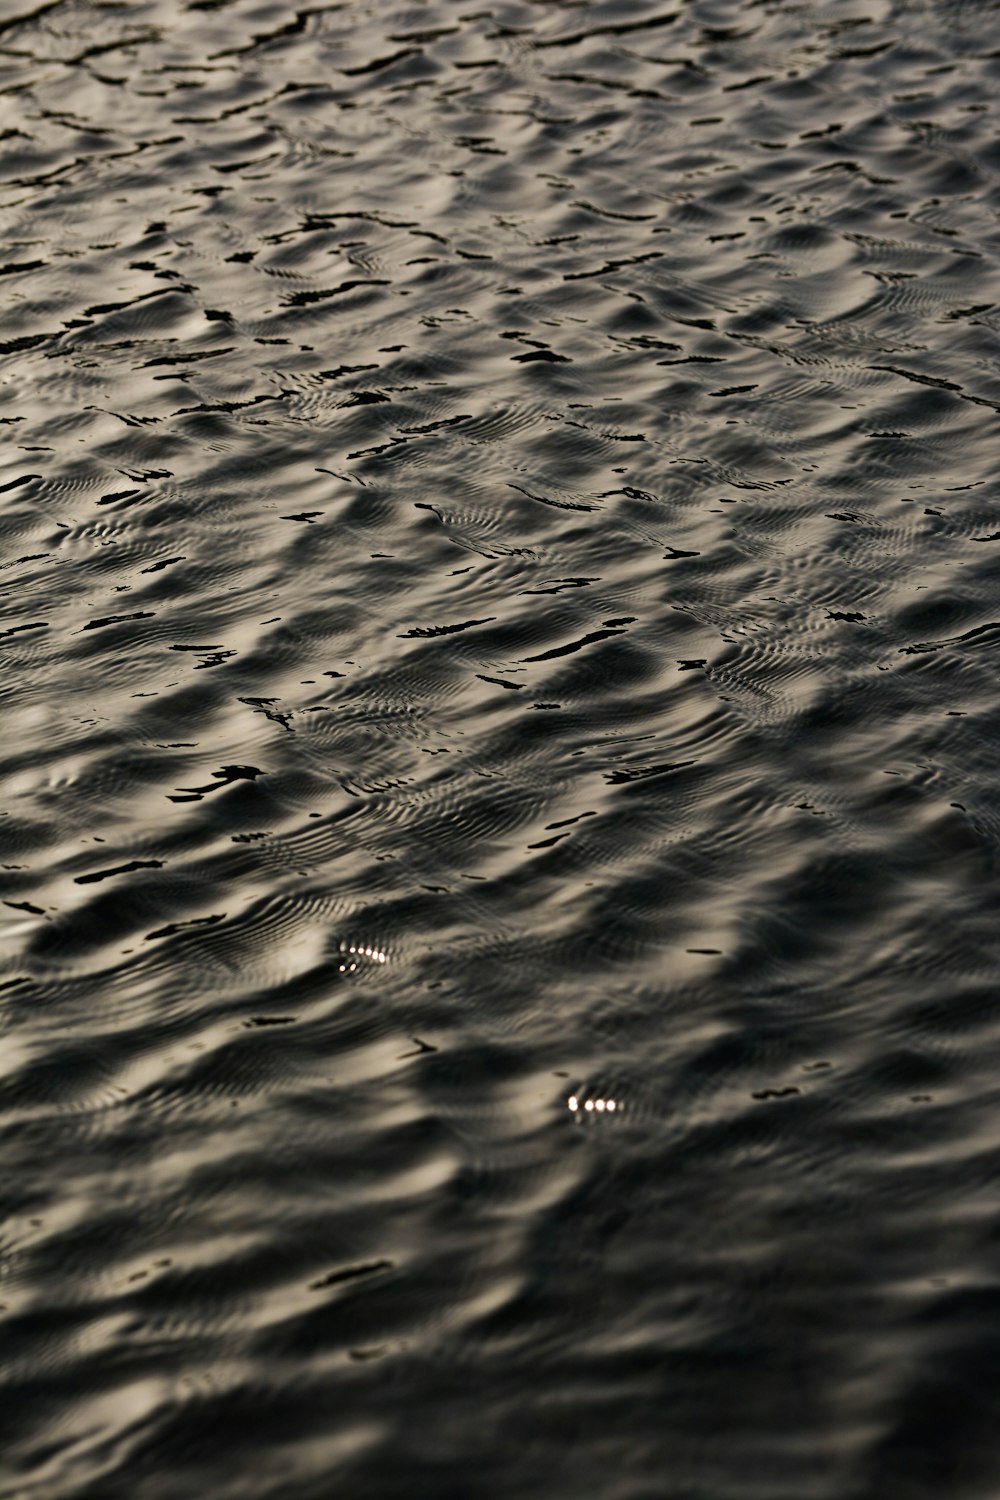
500, 535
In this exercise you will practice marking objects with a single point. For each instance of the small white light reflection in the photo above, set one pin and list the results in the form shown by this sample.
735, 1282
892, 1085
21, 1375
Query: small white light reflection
375, 955
592, 1106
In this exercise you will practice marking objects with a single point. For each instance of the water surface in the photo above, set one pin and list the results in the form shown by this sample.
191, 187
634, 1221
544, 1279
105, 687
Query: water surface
499, 825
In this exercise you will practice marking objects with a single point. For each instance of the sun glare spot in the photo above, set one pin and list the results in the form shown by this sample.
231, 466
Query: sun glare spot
358, 951
592, 1106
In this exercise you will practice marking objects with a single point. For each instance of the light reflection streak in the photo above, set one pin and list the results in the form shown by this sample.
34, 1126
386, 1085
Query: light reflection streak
590, 1106
376, 955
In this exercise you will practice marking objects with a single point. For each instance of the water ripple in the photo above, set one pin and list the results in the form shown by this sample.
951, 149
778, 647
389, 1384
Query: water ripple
499, 836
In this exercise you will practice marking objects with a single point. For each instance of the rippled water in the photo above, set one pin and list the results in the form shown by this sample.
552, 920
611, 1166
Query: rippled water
500, 714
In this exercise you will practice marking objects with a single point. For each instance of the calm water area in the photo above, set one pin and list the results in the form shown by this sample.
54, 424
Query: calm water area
499, 750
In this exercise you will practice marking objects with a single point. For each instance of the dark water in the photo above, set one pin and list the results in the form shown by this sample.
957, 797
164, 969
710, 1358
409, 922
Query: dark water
500, 692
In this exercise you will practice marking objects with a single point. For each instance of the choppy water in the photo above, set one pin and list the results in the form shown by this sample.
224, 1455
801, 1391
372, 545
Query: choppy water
500, 535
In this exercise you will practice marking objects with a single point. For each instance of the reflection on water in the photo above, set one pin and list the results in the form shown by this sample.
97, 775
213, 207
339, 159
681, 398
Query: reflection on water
499, 944
353, 954
574, 1104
